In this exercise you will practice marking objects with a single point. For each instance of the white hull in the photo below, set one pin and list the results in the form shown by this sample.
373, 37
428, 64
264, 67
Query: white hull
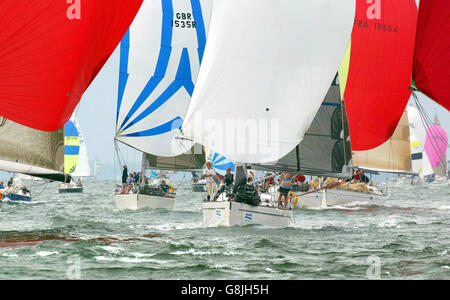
136, 202
336, 197
238, 214
70, 188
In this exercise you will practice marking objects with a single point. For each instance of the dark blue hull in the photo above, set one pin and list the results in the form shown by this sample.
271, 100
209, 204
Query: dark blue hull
16, 198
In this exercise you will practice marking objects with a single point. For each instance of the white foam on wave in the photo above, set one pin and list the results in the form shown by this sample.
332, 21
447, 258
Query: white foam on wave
10, 255
131, 260
170, 227
47, 253
202, 253
112, 249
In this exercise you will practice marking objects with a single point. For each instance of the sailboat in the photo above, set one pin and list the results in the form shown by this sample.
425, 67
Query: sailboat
260, 88
324, 152
30, 152
436, 148
76, 161
160, 58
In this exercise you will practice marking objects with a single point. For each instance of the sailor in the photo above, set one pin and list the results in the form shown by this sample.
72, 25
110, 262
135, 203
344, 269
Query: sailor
124, 174
164, 186
269, 181
2, 186
226, 183
209, 174
299, 179
285, 188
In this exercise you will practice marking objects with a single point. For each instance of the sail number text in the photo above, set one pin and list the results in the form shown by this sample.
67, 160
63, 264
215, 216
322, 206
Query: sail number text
183, 20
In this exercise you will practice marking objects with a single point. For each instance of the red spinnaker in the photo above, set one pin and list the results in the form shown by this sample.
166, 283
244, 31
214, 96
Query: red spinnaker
380, 70
51, 51
432, 54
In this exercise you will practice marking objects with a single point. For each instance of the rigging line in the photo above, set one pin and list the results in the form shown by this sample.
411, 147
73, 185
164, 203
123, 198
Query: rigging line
45, 187
426, 121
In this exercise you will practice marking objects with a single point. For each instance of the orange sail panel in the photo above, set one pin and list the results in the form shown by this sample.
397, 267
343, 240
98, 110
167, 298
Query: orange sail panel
432, 53
378, 69
50, 52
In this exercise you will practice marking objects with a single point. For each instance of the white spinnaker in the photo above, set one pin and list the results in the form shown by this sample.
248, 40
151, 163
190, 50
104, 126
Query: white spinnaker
82, 169
267, 68
166, 44
418, 137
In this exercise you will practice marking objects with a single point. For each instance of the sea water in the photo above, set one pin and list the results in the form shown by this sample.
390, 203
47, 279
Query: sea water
84, 236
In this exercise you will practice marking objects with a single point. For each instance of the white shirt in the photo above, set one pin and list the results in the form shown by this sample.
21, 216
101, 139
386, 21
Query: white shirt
209, 172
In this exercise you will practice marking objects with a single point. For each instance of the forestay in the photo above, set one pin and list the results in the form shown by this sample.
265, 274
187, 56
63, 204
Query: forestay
160, 58
267, 68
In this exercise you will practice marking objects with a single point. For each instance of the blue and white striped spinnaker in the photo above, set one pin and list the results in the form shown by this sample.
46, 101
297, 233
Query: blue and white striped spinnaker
160, 59
219, 162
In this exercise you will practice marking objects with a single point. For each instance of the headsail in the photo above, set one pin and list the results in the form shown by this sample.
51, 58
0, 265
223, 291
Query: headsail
432, 56
323, 150
394, 156
30, 151
76, 161
376, 72
160, 60
51, 51
267, 68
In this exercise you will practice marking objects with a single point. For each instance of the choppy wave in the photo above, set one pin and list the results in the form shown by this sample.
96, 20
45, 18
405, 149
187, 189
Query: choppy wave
407, 234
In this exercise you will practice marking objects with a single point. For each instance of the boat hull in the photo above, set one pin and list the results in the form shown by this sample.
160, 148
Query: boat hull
238, 214
16, 198
138, 201
70, 190
336, 197
199, 187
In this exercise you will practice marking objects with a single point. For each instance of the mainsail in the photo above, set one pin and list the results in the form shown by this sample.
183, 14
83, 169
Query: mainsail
76, 161
266, 70
190, 161
376, 72
160, 59
394, 156
51, 51
323, 150
432, 56
32, 152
